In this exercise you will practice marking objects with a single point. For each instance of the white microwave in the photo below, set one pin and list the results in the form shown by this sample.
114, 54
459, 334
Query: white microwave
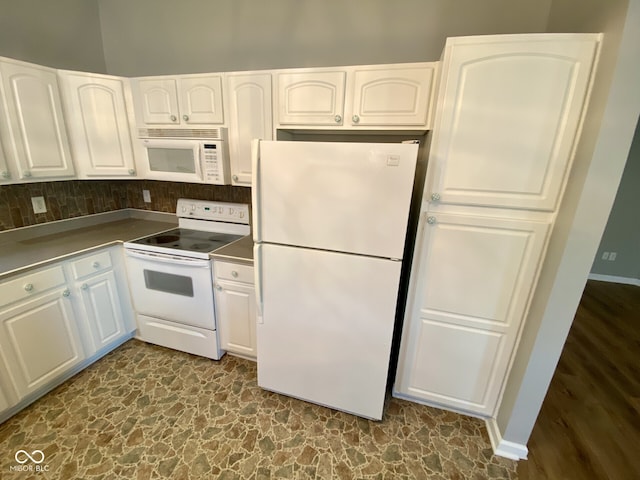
185, 156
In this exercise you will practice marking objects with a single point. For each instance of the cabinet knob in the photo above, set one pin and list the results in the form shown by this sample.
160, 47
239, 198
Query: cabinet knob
6, 174
235, 178
435, 197
95, 264
431, 220
84, 286
185, 118
28, 287
173, 118
338, 118
132, 171
218, 288
234, 274
355, 119
26, 174
66, 292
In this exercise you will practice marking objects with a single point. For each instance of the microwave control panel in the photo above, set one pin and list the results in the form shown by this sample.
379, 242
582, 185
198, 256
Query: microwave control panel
215, 165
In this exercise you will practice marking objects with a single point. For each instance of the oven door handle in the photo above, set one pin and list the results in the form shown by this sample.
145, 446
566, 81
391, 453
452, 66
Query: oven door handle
155, 257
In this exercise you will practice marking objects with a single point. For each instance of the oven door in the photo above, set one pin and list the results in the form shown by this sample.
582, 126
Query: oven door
172, 288
173, 160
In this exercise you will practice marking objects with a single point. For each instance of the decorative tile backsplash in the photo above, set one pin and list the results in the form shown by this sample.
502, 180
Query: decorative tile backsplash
75, 198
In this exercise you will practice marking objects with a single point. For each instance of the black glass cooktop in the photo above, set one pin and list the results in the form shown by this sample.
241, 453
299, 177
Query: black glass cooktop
189, 240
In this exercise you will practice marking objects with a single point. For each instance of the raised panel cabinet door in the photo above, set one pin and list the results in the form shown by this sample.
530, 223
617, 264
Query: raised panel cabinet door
315, 98
158, 101
392, 96
250, 117
471, 284
99, 125
509, 112
102, 304
38, 135
201, 99
40, 340
236, 310
5, 173
4, 401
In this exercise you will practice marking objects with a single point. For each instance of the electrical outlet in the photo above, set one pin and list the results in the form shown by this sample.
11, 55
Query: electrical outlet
605, 256
612, 256
39, 205
146, 196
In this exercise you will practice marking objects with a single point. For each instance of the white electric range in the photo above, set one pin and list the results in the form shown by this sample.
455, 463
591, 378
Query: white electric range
170, 276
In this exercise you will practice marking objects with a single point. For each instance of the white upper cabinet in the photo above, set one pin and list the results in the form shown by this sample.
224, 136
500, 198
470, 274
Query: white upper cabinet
178, 101
99, 124
392, 95
248, 98
377, 96
509, 109
33, 128
5, 174
311, 97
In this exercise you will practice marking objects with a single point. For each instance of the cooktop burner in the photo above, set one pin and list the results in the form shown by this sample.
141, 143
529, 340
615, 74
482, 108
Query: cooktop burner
189, 240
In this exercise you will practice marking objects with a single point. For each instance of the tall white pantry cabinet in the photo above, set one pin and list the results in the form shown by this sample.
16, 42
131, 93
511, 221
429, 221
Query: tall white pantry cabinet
509, 111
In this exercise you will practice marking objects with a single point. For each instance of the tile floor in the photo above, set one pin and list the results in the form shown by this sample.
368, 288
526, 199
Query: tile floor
146, 412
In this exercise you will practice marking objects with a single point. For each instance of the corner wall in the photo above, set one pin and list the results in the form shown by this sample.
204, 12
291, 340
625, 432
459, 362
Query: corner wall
57, 33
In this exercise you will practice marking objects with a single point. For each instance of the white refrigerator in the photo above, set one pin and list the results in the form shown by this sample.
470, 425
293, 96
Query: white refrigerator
329, 226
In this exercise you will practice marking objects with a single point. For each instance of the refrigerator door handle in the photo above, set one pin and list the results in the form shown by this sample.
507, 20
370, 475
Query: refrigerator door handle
257, 262
255, 194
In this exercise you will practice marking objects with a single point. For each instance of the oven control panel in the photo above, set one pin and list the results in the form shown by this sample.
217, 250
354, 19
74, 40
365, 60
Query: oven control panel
215, 211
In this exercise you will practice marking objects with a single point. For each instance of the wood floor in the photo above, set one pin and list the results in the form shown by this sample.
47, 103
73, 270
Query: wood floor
589, 425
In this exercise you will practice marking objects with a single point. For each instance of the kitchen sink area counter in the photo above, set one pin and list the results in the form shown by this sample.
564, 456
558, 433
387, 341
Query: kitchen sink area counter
51, 242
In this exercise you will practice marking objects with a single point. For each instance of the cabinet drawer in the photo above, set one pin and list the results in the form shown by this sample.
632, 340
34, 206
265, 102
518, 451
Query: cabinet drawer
91, 264
234, 271
31, 284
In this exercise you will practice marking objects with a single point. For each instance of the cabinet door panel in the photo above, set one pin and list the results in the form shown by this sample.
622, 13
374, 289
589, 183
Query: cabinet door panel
236, 309
99, 125
471, 284
5, 174
201, 100
509, 114
389, 96
40, 341
311, 98
249, 118
158, 100
37, 124
102, 304
456, 365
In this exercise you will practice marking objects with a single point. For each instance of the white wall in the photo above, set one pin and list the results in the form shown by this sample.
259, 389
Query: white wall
151, 37
57, 33
600, 160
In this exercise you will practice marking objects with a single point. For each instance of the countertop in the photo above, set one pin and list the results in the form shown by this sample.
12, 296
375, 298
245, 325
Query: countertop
240, 251
37, 245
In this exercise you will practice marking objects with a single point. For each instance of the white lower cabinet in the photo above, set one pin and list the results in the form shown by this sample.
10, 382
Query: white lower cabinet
40, 339
236, 308
103, 305
58, 319
472, 279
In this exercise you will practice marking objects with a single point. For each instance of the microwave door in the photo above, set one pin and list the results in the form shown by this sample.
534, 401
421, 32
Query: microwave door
173, 160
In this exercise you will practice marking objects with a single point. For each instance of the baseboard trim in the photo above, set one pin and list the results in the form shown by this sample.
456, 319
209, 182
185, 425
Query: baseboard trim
614, 279
504, 448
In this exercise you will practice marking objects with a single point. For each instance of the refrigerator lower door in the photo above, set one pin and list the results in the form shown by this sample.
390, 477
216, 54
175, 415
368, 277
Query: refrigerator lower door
326, 326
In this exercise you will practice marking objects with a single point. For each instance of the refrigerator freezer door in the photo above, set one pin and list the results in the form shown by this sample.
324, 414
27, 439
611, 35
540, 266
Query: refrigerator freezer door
346, 197
327, 326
